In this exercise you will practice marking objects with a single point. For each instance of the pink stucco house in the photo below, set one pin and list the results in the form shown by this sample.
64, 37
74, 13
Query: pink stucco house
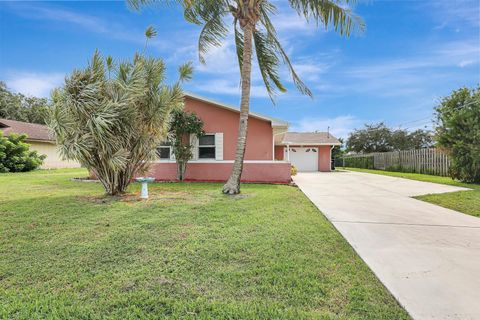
270, 152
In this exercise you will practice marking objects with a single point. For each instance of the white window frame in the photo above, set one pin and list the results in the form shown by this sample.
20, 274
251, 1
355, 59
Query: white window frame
214, 146
170, 152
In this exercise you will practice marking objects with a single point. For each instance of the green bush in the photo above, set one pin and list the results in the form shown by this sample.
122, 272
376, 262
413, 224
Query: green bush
365, 162
293, 171
458, 132
15, 154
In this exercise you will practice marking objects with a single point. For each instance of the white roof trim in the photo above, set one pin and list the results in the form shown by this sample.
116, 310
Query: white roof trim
311, 143
275, 122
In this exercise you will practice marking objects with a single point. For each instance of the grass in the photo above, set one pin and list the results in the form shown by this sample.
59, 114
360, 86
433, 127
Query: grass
189, 252
463, 201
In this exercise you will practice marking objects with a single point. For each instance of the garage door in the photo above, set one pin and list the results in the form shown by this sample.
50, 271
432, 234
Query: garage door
304, 159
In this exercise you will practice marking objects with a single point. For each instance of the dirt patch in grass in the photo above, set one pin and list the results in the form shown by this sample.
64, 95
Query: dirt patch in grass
240, 196
99, 199
154, 196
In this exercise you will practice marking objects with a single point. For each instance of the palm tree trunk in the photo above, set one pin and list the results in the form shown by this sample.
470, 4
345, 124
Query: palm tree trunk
233, 184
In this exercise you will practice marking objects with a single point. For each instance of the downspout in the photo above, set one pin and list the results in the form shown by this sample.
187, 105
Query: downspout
331, 148
273, 143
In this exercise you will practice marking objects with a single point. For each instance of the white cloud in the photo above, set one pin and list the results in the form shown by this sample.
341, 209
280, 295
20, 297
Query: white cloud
339, 126
413, 75
309, 70
221, 60
34, 84
465, 63
229, 87
453, 12
291, 22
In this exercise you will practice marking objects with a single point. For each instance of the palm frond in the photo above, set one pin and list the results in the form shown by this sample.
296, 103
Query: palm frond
277, 49
212, 35
150, 32
186, 71
268, 62
330, 13
239, 43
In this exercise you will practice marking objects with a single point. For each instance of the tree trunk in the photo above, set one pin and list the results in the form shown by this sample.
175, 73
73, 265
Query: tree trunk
181, 168
233, 184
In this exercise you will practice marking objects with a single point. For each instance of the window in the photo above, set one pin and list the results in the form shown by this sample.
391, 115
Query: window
163, 151
206, 147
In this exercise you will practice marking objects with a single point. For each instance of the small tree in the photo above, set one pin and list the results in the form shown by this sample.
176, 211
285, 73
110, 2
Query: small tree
182, 127
111, 118
458, 132
15, 154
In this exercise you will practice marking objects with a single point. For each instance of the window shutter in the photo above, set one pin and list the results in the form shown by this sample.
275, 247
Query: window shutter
194, 143
219, 146
172, 154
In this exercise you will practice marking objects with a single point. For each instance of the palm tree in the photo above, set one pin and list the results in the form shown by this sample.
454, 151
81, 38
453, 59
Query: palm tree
253, 29
112, 125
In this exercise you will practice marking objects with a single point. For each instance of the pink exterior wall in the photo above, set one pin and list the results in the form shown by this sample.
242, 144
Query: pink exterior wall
268, 172
324, 156
279, 155
217, 119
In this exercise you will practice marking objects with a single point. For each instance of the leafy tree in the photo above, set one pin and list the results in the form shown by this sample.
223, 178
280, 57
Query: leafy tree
16, 106
254, 30
458, 132
378, 137
404, 140
113, 124
373, 138
15, 154
338, 151
182, 127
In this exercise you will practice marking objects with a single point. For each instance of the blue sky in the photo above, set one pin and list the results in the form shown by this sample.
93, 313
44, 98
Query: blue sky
411, 54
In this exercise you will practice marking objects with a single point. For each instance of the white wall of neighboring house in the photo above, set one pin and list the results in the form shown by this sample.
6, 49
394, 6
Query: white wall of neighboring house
53, 159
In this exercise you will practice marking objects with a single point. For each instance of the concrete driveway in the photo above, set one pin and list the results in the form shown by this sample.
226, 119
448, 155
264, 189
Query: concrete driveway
426, 255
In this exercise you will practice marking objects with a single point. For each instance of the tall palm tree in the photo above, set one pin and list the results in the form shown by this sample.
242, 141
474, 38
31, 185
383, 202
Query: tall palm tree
253, 29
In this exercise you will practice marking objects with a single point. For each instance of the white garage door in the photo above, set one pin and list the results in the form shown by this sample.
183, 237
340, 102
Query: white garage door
304, 159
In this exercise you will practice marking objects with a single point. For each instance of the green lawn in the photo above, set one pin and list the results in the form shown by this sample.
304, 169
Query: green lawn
464, 201
187, 253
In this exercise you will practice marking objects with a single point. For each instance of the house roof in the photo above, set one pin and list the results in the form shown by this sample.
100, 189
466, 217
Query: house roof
310, 138
32, 130
275, 122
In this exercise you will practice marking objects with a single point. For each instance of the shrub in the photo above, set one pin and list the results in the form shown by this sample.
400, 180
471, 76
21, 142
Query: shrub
365, 162
15, 154
458, 132
293, 170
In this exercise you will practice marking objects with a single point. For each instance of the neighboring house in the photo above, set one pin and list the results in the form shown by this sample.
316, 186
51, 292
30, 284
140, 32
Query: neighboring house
39, 140
308, 151
269, 154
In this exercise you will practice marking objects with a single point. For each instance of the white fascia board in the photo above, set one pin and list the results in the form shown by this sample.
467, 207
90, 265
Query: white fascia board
284, 143
274, 122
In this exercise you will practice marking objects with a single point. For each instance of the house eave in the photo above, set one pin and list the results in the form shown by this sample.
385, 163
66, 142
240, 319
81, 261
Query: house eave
285, 143
274, 122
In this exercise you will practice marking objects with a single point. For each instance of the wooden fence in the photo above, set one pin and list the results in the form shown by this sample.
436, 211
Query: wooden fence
429, 161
